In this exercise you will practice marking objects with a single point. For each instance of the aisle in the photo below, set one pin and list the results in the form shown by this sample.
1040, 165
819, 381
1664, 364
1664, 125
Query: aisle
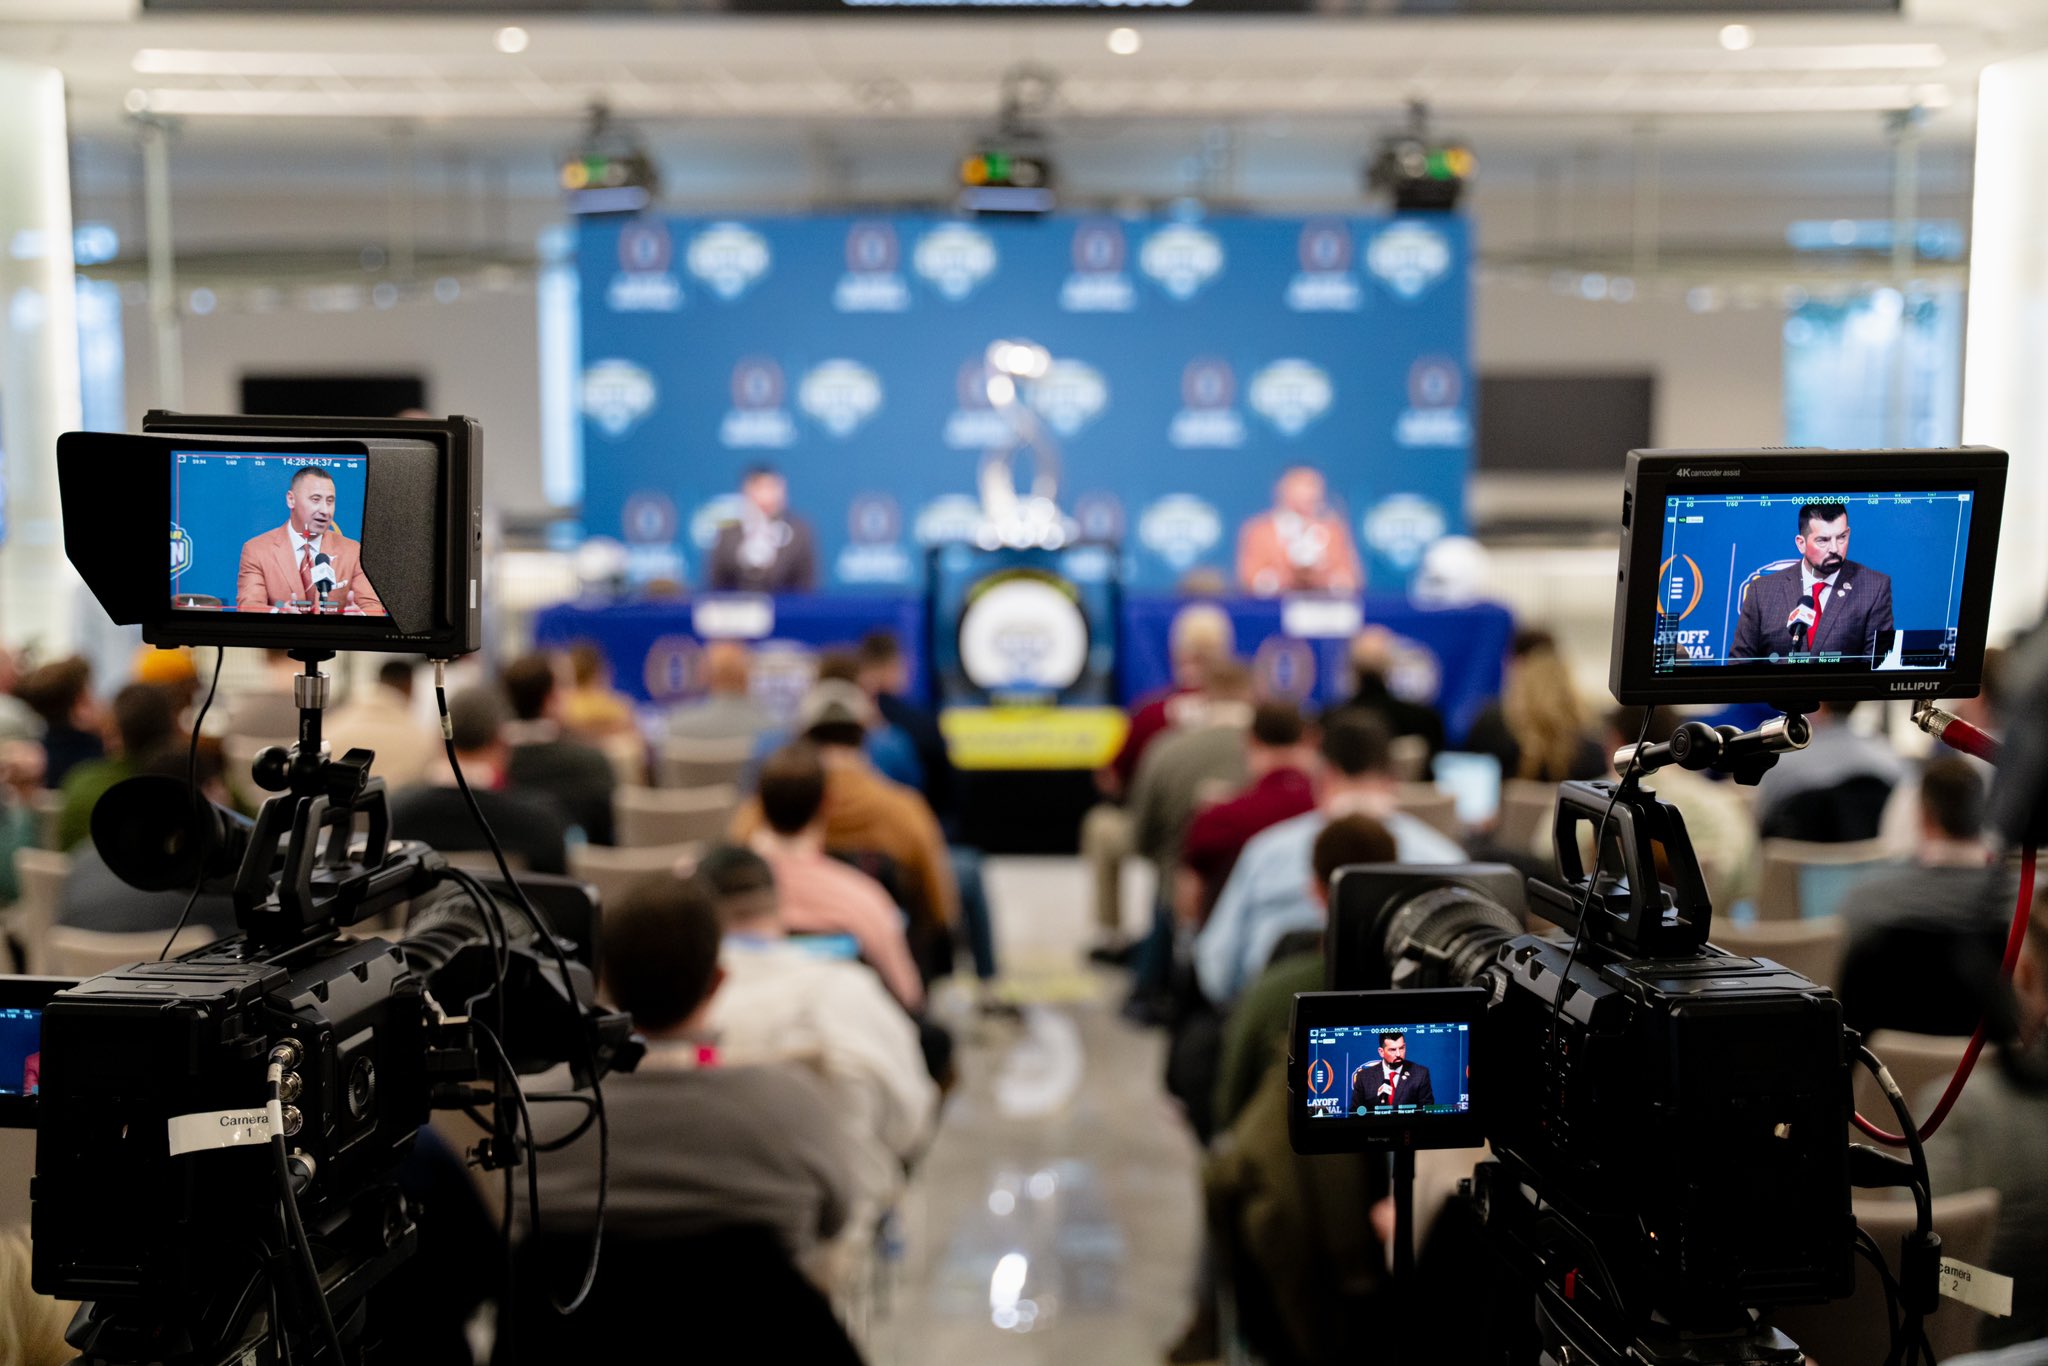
1055, 1219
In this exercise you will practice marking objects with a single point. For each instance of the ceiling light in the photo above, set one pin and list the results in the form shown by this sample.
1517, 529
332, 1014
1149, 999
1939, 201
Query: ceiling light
1737, 37
511, 39
1124, 41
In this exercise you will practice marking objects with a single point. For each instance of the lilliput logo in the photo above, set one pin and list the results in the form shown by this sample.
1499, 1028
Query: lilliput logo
955, 258
1433, 417
757, 419
840, 394
616, 395
1325, 284
729, 257
1069, 395
976, 425
1290, 394
1098, 284
1409, 257
645, 282
1207, 418
1179, 528
874, 281
1182, 258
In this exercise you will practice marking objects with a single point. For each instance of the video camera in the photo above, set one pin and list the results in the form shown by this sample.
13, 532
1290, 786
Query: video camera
1666, 1119
218, 1137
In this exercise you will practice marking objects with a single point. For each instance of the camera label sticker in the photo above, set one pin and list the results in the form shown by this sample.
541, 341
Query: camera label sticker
1976, 1287
218, 1129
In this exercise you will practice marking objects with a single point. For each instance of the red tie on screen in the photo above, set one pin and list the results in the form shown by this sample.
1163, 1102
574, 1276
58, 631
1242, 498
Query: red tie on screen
306, 569
1813, 634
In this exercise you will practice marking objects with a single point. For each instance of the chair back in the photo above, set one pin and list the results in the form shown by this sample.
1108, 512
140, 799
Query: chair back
684, 762
644, 816
1811, 948
1802, 878
482, 862
1854, 1331
1528, 815
627, 754
1918, 1063
49, 810
1433, 807
72, 952
613, 871
1408, 758
41, 873
266, 715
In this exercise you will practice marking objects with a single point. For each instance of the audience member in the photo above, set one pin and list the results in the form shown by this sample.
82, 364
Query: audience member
1266, 895
142, 721
171, 670
1538, 729
1924, 941
378, 716
1255, 1037
1997, 1136
18, 720
1717, 815
1199, 761
884, 674
783, 1003
1900, 828
1372, 664
93, 898
591, 708
546, 759
727, 711
60, 694
531, 827
866, 812
1278, 758
818, 893
32, 1326
21, 779
1836, 789
697, 1143
1200, 635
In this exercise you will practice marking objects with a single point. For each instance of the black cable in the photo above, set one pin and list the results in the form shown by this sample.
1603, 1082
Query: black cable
1593, 878
547, 934
1867, 1246
281, 1163
198, 802
1913, 1327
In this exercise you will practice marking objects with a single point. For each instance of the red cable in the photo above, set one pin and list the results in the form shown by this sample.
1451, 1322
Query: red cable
1961, 736
2012, 956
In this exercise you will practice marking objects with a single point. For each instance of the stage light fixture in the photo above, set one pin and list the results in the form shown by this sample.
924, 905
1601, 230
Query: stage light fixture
1125, 42
610, 171
1420, 172
510, 40
1737, 37
1008, 171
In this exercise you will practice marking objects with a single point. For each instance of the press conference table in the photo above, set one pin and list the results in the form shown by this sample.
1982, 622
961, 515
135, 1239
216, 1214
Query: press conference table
653, 645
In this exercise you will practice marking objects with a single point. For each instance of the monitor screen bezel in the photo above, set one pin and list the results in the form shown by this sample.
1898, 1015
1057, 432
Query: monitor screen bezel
1406, 1008
1655, 475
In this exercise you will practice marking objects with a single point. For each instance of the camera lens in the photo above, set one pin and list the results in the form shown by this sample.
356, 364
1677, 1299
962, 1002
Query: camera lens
1444, 936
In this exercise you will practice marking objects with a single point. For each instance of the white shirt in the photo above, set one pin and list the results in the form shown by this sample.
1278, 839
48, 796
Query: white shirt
301, 544
1807, 579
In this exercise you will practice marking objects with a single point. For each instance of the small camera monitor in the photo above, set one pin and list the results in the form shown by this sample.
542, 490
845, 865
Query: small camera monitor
286, 533
1805, 576
1392, 1069
21, 1045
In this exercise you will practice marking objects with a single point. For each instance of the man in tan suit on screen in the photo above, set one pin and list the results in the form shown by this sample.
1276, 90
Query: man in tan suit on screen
307, 559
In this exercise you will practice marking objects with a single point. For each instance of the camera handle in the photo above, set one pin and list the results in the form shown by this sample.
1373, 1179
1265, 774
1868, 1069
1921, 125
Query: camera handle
318, 889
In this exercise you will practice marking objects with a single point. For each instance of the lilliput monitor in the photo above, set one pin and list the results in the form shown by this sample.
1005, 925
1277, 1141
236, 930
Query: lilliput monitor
1386, 1067
1798, 576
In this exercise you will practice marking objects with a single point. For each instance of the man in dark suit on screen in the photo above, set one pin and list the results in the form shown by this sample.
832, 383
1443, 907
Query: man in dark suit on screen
1391, 1081
1825, 604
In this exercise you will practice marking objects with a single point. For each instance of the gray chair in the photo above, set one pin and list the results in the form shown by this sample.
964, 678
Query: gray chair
1800, 878
1433, 807
1528, 814
701, 763
613, 871
644, 816
49, 809
41, 873
71, 952
1919, 1063
1854, 1332
1811, 948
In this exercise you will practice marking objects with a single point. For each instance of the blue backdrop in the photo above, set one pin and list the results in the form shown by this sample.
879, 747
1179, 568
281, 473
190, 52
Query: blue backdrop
1193, 362
1917, 539
1445, 1052
220, 501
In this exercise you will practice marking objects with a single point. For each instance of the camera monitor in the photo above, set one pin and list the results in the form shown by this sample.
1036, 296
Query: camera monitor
1803, 576
21, 1045
1393, 1068
289, 533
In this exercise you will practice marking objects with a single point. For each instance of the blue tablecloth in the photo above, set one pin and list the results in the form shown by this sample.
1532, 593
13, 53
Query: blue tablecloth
654, 646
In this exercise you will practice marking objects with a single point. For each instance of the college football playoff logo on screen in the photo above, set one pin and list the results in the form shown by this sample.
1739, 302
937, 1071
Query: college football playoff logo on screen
729, 257
1069, 395
840, 395
181, 550
1409, 257
955, 259
1290, 394
616, 395
1182, 258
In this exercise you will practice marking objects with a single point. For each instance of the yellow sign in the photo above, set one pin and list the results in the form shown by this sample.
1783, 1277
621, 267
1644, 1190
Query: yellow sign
1033, 737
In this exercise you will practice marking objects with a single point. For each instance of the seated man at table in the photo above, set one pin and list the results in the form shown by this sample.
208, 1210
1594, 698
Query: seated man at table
1300, 545
766, 548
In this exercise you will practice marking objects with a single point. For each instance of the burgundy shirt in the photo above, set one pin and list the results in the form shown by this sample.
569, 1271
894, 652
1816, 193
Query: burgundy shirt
1152, 716
1219, 833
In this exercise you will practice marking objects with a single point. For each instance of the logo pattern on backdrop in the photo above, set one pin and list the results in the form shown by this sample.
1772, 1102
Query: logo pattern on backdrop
840, 394
616, 394
1069, 395
1098, 284
1182, 258
1207, 418
1409, 258
1325, 284
1403, 527
1290, 394
873, 282
757, 419
1433, 417
729, 258
955, 259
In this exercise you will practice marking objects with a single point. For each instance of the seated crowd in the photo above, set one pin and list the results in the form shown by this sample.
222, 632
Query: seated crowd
782, 974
